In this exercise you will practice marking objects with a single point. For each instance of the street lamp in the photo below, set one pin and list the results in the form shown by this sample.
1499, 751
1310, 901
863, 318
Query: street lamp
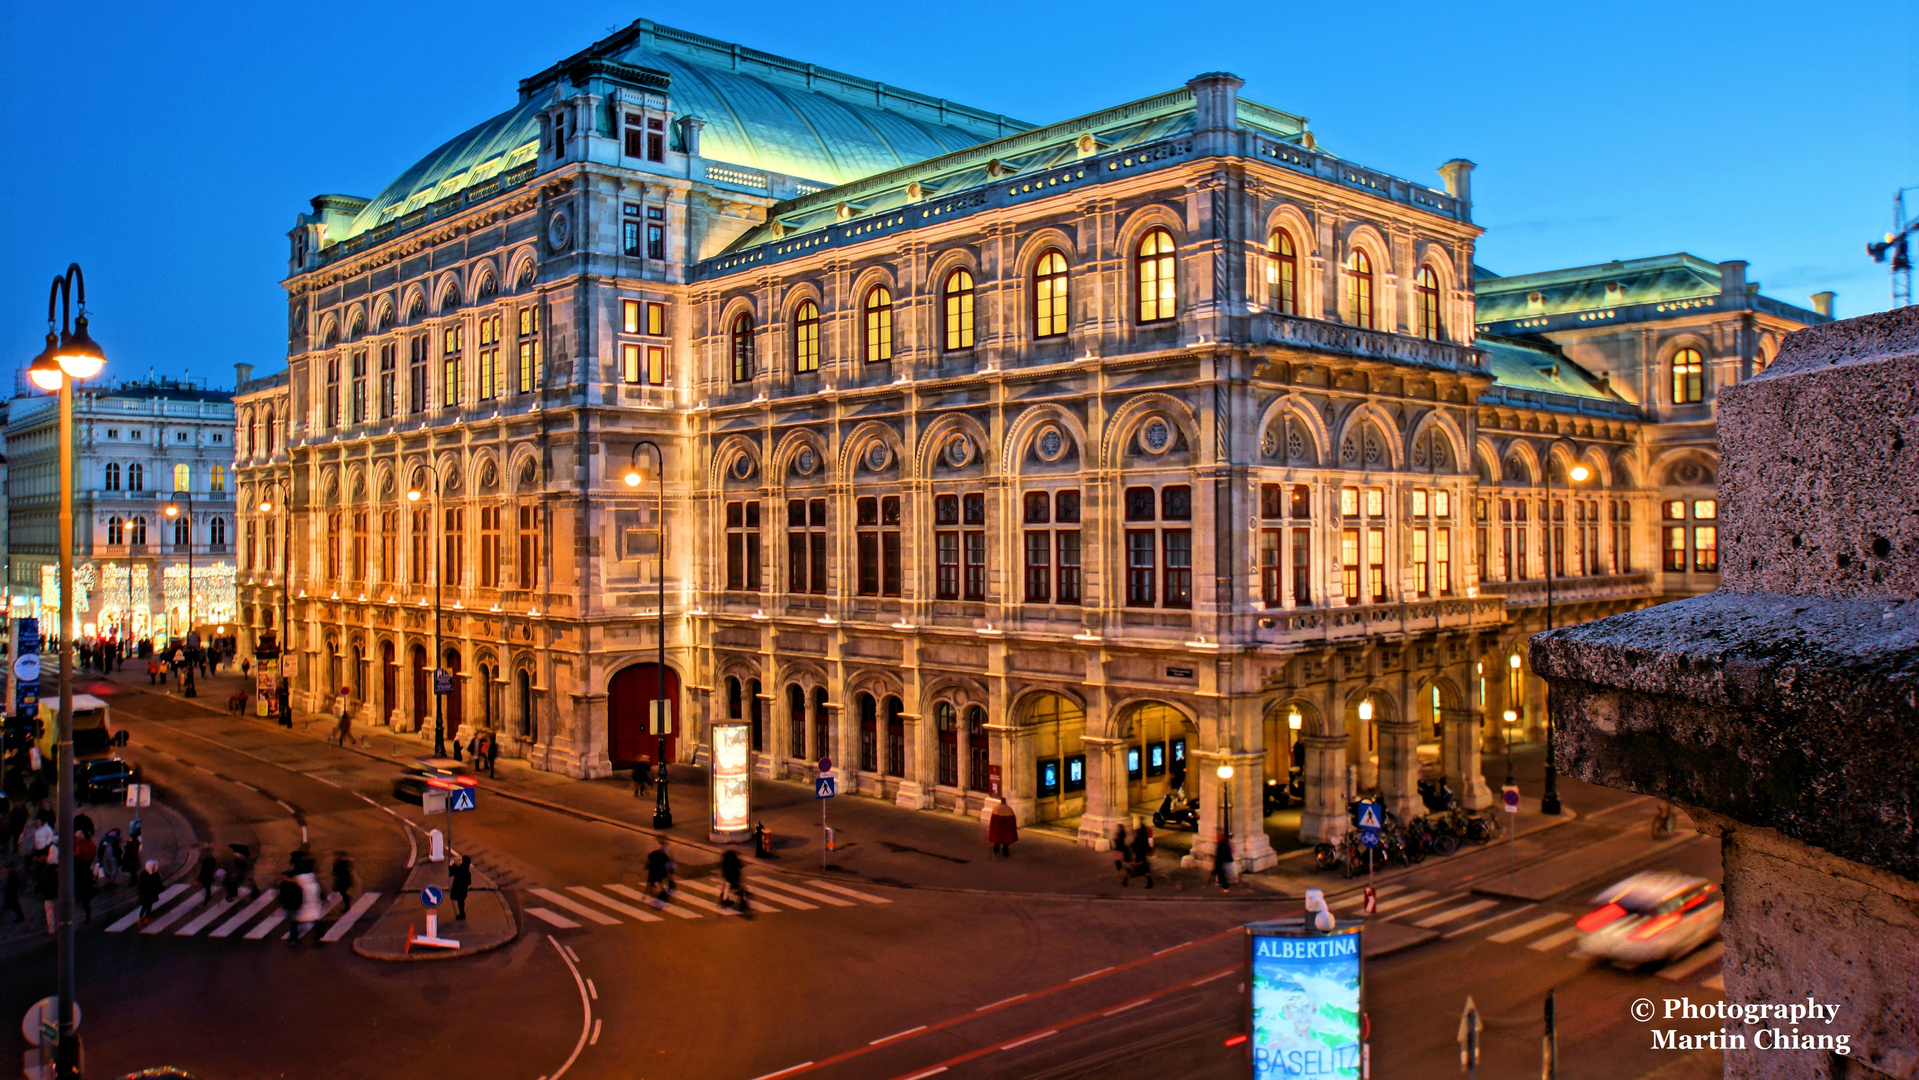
661, 724
1549, 800
187, 517
1226, 804
70, 355
285, 688
439, 723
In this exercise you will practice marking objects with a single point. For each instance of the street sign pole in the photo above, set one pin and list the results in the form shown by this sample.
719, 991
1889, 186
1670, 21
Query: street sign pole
1550, 1069
825, 788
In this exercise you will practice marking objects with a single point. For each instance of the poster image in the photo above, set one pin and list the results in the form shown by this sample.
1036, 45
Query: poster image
1305, 1002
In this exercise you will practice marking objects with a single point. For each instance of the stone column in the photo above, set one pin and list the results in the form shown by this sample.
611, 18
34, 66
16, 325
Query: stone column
1251, 848
1324, 817
1459, 756
1399, 767
916, 787
1106, 804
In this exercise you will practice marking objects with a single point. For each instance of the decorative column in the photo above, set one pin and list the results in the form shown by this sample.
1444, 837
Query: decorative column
1324, 817
1459, 757
1106, 804
1399, 767
916, 787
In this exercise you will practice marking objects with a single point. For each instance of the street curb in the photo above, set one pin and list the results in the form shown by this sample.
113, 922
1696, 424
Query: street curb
512, 914
108, 913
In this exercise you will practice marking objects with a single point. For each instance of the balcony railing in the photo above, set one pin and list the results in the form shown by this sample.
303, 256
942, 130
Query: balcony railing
1532, 592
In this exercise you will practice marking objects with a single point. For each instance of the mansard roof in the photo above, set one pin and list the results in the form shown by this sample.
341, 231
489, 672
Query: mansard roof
1532, 374
1664, 285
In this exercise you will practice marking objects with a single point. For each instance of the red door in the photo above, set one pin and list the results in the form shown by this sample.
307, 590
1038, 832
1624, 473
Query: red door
629, 702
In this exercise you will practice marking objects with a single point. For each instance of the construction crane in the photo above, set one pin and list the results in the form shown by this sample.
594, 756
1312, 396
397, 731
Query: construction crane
1895, 246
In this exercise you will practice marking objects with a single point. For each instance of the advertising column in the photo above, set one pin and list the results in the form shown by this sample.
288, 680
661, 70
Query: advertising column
1305, 1000
730, 784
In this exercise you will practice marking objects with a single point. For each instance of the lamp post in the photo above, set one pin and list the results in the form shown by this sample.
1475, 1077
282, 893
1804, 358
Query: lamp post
187, 518
439, 724
662, 811
1512, 714
286, 586
70, 355
1549, 800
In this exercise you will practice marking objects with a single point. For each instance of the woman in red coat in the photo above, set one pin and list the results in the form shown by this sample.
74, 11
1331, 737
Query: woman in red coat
1002, 829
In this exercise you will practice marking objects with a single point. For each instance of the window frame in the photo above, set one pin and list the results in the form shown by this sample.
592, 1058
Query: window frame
1052, 289
876, 309
1431, 326
806, 338
1155, 278
1282, 272
1361, 297
1688, 376
740, 339
958, 297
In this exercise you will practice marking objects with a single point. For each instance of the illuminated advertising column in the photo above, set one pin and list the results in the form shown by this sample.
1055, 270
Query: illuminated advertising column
1305, 1000
730, 780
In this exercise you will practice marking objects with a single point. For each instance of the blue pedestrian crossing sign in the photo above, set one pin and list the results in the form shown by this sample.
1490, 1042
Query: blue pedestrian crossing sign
460, 798
1369, 816
825, 787
430, 896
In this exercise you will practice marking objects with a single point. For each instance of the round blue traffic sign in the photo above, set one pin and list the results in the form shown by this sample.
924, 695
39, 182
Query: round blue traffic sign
430, 896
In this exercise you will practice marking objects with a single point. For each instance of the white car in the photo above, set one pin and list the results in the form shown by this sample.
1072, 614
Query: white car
1651, 916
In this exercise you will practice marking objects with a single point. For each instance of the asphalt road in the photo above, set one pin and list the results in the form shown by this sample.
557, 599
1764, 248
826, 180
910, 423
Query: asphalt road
876, 982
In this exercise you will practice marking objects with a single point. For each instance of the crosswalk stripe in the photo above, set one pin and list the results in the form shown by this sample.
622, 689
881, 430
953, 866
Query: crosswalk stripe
259, 904
133, 916
560, 921
625, 909
856, 894
1359, 899
657, 905
267, 925
767, 896
1527, 929
359, 908
808, 893
1487, 921
1401, 912
1708, 955
1451, 914
705, 905
1409, 898
173, 913
205, 918
575, 907
1547, 944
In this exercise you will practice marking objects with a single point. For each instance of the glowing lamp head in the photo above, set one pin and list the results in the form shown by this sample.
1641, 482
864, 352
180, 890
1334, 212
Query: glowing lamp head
45, 371
413, 495
633, 478
1225, 772
1579, 473
1512, 717
1294, 721
79, 355
173, 511
1514, 661
266, 508
1366, 709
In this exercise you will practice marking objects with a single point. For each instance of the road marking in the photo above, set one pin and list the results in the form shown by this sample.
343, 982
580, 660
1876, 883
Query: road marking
592, 991
1088, 975
133, 916
1417, 908
1527, 929
612, 904
793, 902
259, 904
1547, 944
657, 905
897, 1035
594, 1040
1115, 1011
808, 893
705, 905
1717, 982
575, 907
202, 920
1488, 921
267, 925
586, 1007
1028, 1039
551, 919
359, 908
1002, 1001
1171, 948
248, 786
844, 891
287, 808
1388, 905
783, 1072
1382, 892
762, 899
1690, 964
927, 1073
173, 914
1454, 914
1210, 978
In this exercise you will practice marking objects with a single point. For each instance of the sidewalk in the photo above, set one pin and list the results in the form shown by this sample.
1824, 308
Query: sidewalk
489, 922
165, 835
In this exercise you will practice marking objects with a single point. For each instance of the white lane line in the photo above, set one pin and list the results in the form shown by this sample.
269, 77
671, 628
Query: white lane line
1547, 944
897, 1035
133, 916
1455, 914
1527, 929
205, 918
209, 772
927, 1073
612, 904
360, 906
303, 836
1089, 975
594, 1040
1708, 955
1029, 1039
656, 905
783, 1072
844, 891
1001, 1001
248, 786
284, 806
1210, 978
552, 919
808, 893
574, 906
1717, 982
1170, 948
571, 953
1116, 1010
1487, 921
586, 1007
592, 991
259, 904
173, 914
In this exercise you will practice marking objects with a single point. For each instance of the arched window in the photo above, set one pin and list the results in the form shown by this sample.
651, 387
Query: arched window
253, 433
959, 310
1426, 284
137, 531
1282, 273
270, 431
136, 477
1049, 295
182, 478
1153, 263
976, 749
743, 348
869, 712
217, 531
1359, 288
113, 476
182, 531
795, 720
115, 533
879, 325
523, 680
1688, 377
946, 721
806, 338
217, 478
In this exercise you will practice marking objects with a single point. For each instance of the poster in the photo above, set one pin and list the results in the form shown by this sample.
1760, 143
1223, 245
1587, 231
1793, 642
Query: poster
1305, 1001
730, 778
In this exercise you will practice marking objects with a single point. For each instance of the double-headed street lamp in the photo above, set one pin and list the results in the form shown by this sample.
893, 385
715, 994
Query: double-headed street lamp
1549, 801
187, 518
70, 355
414, 494
661, 725
286, 590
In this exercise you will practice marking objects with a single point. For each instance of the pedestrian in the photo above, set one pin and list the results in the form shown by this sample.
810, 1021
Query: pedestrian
130, 858
246, 668
456, 746
289, 898
459, 876
209, 873
732, 883
46, 883
153, 671
473, 749
1142, 855
11, 890
1119, 851
642, 776
17, 816
492, 755
149, 886
84, 883
659, 872
1002, 829
109, 857
342, 875
343, 714
240, 873
312, 901
41, 837
1223, 862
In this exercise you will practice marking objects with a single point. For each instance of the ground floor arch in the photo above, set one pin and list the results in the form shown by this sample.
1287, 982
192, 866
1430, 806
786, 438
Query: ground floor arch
629, 703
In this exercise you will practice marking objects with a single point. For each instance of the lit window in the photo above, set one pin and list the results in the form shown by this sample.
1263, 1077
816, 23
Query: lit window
1688, 377
1158, 290
1705, 509
1675, 510
806, 337
959, 310
182, 478
1049, 295
1359, 288
879, 325
1426, 285
1282, 273
1675, 548
1705, 549
743, 348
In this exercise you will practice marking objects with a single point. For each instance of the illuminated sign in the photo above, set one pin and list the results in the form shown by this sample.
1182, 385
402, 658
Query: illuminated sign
1305, 1001
730, 779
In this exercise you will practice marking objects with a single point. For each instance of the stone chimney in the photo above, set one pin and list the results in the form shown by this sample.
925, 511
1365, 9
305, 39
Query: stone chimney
1779, 711
1822, 302
1732, 277
242, 375
1216, 99
1458, 176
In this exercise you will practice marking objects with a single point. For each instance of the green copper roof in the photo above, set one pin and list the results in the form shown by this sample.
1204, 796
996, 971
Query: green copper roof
1532, 368
1596, 288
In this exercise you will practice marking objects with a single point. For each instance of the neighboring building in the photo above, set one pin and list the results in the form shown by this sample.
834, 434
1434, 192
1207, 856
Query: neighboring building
140, 448
1060, 460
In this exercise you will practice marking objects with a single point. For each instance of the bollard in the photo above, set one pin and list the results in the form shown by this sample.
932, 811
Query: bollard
435, 846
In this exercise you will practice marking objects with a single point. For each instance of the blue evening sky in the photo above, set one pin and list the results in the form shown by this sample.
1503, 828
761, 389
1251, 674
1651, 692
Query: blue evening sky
167, 147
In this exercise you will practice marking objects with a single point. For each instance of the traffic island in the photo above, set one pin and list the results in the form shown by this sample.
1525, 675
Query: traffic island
489, 924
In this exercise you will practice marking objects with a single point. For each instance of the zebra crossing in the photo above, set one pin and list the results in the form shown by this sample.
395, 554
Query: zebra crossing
572, 907
183, 911
1455, 915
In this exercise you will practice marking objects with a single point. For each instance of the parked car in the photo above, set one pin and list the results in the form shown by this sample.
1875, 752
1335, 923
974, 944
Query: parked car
1652, 915
413, 784
103, 780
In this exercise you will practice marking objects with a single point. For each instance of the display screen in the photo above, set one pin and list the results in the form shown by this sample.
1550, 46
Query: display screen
1076, 773
730, 779
1156, 759
1305, 1002
1132, 763
1049, 777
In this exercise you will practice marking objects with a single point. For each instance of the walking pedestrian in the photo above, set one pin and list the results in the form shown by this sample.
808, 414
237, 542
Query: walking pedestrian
642, 776
342, 875
84, 883
343, 714
312, 902
459, 876
289, 899
209, 873
246, 668
492, 755
732, 883
1141, 854
153, 671
659, 872
1223, 862
46, 882
130, 858
109, 857
1120, 851
149, 886
240, 873
1002, 829
17, 816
